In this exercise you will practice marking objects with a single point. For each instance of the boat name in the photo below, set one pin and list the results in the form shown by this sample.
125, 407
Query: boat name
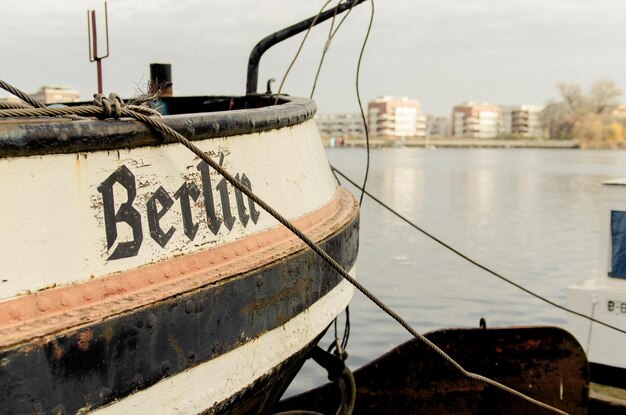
616, 306
160, 203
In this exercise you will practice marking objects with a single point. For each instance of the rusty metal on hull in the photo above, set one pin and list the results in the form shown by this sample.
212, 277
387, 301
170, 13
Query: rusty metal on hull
40, 313
546, 363
95, 361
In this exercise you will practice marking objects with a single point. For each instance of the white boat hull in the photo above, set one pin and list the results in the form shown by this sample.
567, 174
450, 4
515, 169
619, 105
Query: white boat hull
604, 297
136, 280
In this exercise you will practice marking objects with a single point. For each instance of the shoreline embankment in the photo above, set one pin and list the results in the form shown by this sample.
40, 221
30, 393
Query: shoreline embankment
453, 143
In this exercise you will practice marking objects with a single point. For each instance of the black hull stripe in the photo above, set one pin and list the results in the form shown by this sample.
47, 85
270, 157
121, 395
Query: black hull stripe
111, 359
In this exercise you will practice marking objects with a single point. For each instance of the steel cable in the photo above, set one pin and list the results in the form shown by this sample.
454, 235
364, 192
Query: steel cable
295, 58
30, 100
476, 263
358, 95
158, 126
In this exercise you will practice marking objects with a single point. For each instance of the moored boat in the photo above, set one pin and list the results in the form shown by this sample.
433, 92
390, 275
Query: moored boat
545, 363
604, 297
135, 279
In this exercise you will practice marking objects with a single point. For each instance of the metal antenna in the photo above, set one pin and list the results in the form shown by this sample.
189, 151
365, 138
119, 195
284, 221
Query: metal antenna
92, 35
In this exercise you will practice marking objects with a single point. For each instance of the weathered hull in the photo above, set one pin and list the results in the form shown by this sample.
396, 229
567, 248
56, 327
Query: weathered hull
147, 284
545, 363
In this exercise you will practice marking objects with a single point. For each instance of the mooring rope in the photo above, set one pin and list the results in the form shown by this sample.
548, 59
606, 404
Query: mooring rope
103, 108
332, 31
295, 58
12, 105
29, 100
476, 263
21, 95
358, 95
114, 106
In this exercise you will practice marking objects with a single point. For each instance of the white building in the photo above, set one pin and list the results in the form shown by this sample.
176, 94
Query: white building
521, 120
488, 124
56, 95
475, 120
396, 117
437, 126
340, 125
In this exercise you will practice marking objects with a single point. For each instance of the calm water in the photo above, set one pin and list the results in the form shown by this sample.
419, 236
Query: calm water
531, 215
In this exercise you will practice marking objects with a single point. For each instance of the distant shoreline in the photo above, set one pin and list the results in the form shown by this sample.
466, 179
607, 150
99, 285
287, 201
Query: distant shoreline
456, 143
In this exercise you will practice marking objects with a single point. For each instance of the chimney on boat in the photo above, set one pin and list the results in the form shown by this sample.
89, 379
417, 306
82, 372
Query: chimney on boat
161, 79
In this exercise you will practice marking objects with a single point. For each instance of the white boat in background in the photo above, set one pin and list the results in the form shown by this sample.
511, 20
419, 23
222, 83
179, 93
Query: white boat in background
604, 297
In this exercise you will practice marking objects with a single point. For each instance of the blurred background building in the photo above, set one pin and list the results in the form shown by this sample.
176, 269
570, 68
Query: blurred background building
396, 117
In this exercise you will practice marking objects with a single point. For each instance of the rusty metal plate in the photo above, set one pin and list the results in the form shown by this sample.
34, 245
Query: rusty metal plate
546, 363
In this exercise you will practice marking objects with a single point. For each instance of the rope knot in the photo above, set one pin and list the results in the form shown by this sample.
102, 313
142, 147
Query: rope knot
111, 106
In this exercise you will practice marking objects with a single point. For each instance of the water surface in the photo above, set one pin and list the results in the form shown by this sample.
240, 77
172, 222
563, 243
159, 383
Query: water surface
531, 215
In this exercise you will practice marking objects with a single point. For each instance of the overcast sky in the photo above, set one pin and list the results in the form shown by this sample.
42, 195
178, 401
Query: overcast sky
440, 52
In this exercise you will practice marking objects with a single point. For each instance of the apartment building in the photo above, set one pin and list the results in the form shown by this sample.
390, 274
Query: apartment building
437, 126
521, 120
396, 117
56, 95
345, 125
475, 120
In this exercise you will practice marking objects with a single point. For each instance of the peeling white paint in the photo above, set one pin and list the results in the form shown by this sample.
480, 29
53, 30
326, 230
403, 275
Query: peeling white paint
52, 223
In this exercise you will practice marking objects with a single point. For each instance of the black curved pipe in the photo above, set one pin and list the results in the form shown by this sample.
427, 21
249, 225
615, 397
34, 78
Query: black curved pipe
274, 38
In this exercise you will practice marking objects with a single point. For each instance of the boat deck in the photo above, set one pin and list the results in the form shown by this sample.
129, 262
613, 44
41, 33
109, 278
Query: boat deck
606, 400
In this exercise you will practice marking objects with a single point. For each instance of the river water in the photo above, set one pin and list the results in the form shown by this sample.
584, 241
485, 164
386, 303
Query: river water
531, 215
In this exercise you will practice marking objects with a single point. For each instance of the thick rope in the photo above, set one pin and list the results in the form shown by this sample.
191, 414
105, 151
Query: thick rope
21, 95
112, 107
12, 105
160, 127
30, 100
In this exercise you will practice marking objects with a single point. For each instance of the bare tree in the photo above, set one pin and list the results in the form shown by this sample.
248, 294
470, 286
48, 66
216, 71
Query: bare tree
604, 96
588, 118
574, 98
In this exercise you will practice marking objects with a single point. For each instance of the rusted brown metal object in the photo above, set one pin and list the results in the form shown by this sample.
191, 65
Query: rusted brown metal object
92, 34
546, 363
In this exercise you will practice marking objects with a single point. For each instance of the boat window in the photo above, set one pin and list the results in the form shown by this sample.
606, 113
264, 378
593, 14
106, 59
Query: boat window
618, 244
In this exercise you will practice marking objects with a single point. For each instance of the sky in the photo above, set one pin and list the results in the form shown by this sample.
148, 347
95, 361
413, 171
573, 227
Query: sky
440, 52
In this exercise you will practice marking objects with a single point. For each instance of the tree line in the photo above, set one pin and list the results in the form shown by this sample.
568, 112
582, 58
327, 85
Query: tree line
595, 118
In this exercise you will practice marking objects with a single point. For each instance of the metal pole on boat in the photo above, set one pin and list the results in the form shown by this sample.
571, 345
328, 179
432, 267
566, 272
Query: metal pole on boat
274, 38
161, 79
92, 35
